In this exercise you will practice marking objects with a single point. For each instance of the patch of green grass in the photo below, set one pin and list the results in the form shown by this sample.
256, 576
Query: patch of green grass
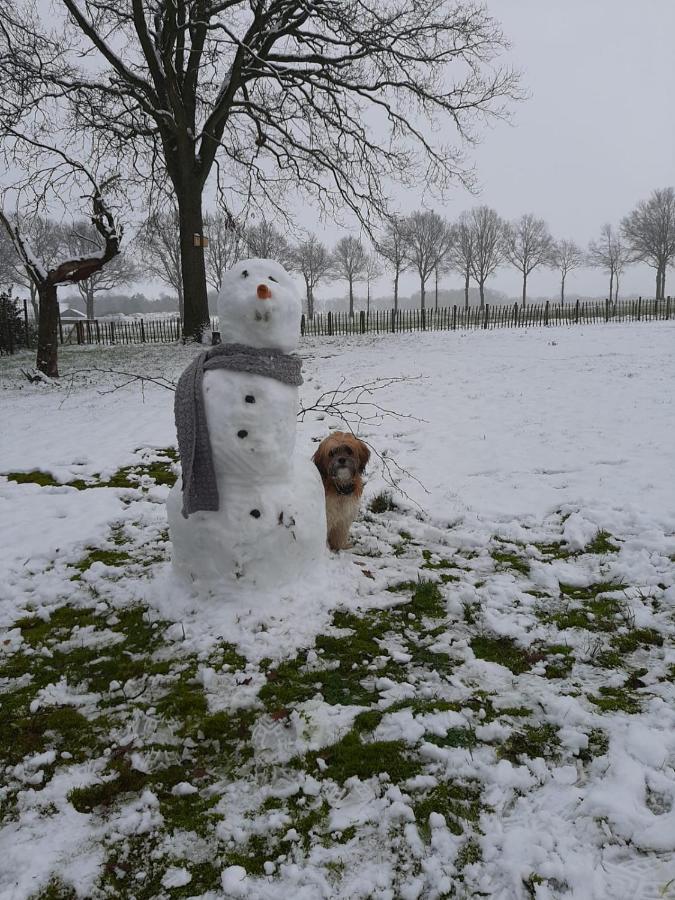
469, 854
454, 737
602, 543
55, 890
353, 757
556, 550
458, 802
427, 600
382, 503
442, 563
502, 650
107, 557
506, 560
559, 660
616, 699
598, 745
532, 741
43, 479
589, 607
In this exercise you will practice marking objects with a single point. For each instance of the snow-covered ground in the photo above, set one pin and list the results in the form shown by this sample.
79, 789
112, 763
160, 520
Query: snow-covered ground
477, 701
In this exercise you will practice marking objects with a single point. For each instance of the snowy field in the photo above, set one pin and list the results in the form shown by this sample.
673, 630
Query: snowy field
477, 701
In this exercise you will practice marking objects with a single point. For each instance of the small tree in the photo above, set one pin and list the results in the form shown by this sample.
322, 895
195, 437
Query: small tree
159, 240
392, 248
313, 260
610, 254
527, 245
224, 249
566, 256
373, 271
460, 255
85, 240
488, 246
349, 262
264, 241
428, 239
650, 233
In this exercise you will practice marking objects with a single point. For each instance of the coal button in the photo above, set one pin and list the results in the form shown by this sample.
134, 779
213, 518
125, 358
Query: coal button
250, 398
242, 433
255, 513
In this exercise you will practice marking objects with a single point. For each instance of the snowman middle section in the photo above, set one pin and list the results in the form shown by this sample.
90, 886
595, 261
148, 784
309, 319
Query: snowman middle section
270, 527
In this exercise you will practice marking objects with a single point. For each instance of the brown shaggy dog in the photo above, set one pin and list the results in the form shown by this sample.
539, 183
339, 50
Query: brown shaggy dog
341, 459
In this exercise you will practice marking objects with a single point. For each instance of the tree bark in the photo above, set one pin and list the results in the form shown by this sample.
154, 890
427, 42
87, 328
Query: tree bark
195, 300
611, 284
524, 290
663, 282
48, 329
481, 288
90, 300
467, 276
422, 294
396, 276
562, 289
351, 298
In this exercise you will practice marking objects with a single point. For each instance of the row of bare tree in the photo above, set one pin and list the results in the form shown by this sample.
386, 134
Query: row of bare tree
424, 242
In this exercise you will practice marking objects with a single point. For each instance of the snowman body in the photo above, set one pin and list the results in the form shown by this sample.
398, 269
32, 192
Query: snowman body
270, 527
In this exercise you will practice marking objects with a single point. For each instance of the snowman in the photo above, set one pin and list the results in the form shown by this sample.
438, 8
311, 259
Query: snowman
247, 511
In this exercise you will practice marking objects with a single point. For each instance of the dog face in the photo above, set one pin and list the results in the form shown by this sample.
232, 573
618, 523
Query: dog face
341, 459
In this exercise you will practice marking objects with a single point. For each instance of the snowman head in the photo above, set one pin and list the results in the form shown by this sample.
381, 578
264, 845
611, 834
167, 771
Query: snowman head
259, 305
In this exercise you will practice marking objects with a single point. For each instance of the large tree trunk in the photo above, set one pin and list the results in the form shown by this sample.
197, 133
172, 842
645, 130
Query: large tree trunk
658, 282
396, 276
467, 277
562, 289
663, 282
195, 299
422, 294
89, 299
48, 331
481, 288
611, 283
524, 289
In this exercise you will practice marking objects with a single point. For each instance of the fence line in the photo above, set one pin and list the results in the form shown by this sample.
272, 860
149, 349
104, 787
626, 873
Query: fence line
448, 318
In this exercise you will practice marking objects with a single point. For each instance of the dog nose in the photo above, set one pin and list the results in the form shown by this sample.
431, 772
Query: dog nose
264, 292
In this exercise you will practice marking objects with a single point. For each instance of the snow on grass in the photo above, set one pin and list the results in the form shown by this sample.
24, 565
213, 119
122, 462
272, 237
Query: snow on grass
476, 701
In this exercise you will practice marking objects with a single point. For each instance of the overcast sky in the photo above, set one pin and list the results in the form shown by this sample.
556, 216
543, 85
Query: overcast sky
596, 135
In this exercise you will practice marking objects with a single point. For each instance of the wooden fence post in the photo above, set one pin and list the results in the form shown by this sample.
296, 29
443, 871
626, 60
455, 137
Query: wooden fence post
515, 314
667, 307
112, 332
142, 332
606, 310
393, 321
546, 308
424, 319
486, 315
362, 322
330, 323
576, 312
79, 332
639, 309
302, 325
454, 318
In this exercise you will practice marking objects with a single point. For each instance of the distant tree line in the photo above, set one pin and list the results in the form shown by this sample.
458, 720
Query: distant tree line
474, 246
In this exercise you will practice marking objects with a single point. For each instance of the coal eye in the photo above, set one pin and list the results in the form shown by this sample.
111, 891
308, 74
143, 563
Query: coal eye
244, 274
273, 279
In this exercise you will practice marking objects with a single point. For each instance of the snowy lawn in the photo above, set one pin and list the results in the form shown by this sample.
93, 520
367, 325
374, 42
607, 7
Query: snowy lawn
477, 701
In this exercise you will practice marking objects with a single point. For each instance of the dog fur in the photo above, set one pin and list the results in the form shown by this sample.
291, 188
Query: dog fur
341, 460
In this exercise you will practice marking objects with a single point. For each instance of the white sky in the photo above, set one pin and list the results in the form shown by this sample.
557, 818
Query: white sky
596, 135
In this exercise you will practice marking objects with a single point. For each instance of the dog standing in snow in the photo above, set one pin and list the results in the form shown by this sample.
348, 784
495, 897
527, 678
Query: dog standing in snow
341, 460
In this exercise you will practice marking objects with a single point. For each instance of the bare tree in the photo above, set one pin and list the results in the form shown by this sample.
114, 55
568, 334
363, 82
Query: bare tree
313, 260
650, 232
610, 254
159, 241
488, 246
349, 262
566, 256
373, 270
264, 241
224, 248
46, 238
460, 255
84, 240
392, 248
427, 239
269, 95
69, 271
527, 245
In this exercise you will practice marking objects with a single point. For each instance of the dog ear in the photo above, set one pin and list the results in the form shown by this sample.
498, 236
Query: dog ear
319, 458
364, 456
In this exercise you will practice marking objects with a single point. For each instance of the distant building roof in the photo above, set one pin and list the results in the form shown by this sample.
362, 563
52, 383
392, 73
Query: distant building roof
68, 312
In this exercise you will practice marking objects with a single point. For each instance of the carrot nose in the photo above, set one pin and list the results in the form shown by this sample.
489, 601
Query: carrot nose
264, 293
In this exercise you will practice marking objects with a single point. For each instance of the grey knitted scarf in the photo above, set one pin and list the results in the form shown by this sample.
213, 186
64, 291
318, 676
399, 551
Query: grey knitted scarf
200, 490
